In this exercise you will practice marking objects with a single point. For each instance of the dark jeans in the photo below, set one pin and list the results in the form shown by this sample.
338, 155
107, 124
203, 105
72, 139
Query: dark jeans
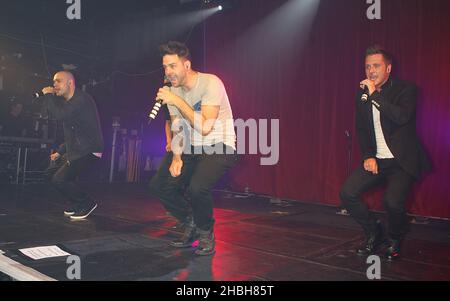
399, 184
63, 175
190, 193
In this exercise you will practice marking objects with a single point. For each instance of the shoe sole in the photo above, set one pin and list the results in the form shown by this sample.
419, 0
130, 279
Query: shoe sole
205, 254
184, 245
181, 246
84, 216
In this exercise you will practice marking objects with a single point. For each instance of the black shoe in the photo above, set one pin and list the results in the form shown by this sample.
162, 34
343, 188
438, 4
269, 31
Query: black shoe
83, 212
207, 244
373, 241
393, 251
190, 235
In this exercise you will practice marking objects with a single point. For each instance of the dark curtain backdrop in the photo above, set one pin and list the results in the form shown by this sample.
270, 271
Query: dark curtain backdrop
308, 82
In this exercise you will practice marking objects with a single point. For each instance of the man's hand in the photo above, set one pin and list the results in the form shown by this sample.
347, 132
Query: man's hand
371, 165
175, 167
169, 146
48, 90
168, 97
55, 156
370, 85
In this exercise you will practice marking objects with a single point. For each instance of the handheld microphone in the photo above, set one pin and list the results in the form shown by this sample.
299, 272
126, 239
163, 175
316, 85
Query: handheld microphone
348, 134
365, 95
154, 112
38, 94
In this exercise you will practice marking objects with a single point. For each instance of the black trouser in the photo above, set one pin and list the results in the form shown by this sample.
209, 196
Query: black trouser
190, 193
399, 185
64, 175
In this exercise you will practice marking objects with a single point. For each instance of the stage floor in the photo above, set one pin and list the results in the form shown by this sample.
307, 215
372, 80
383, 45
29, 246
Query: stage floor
127, 237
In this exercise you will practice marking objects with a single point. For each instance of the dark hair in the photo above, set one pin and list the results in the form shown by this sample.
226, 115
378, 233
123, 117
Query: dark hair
174, 47
377, 49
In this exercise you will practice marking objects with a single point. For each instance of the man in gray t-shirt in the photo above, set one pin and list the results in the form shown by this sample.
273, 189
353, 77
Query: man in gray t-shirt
208, 91
203, 146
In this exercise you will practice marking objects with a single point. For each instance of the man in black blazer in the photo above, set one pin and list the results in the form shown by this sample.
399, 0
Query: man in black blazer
83, 140
391, 151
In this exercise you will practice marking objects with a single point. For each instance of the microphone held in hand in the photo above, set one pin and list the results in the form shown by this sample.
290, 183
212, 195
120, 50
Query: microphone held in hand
38, 94
365, 95
155, 110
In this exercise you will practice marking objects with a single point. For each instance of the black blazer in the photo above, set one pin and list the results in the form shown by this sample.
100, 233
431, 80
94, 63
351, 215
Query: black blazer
397, 105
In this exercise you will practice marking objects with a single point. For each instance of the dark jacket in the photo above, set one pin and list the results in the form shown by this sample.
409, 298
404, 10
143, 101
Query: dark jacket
82, 132
397, 105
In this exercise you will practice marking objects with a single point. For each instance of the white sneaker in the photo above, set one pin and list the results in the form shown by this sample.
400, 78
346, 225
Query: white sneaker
83, 213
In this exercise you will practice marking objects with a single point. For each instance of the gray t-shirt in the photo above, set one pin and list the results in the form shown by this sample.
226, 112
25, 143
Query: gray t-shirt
209, 91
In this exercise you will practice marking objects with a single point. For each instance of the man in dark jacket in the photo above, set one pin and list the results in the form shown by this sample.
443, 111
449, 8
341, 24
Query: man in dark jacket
391, 151
83, 140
